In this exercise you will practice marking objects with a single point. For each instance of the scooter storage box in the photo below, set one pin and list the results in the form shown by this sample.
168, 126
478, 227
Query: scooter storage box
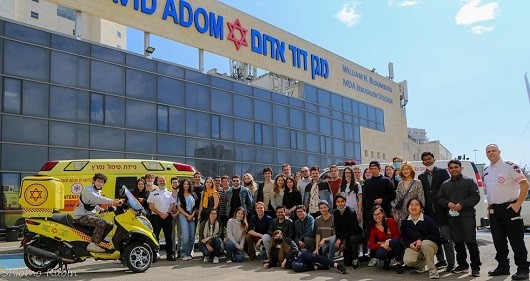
44, 194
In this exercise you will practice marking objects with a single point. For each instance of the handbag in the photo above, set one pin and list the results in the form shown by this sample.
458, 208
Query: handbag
399, 204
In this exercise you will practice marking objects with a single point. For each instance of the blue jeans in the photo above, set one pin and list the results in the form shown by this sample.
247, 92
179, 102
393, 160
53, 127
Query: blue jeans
187, 229
307, 261
216, 245
329, 248
396, 252
232, 253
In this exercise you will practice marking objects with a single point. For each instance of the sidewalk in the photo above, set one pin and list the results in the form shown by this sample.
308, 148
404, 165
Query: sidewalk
10, 247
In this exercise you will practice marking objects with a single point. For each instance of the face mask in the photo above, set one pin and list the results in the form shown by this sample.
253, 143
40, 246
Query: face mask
278, 240
398, 178
397, 165
430, 168
341, 209
453, 213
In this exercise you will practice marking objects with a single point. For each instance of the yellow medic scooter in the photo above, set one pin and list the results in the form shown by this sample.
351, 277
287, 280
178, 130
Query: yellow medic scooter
57, 241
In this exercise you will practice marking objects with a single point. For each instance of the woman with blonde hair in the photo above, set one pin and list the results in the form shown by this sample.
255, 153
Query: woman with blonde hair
236, 228
282, 252
248, 182
406, 189
277, 192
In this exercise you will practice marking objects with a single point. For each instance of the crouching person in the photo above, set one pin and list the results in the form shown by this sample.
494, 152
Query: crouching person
209, 237
236, 228
421, 236
282, 252
308, 261
384, 240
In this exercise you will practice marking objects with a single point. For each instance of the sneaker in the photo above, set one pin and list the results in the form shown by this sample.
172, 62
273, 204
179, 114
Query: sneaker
246, 256
373, 262
441, 264
92, 247
450, 267
205, 259
355, 264
400, 269
520, 275
460, 269
229, 261
215, 259
433, 274
421, 268
187, 258
341, 268
386, 264
475, 272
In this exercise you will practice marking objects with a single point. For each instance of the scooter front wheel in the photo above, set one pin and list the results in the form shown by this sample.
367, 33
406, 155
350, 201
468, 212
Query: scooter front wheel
38, 264
138, 257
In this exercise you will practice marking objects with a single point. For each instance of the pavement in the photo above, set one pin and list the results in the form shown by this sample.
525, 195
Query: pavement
12, 268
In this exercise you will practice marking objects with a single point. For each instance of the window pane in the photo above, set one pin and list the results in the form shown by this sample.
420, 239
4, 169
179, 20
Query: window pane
68, 134
170, 70
264, 155
140, 142
227, 128
221, 83
282, 156
106, 155
380, 116
11, 155
280, 98
300, 140
177, 121
346, 104
170, 91
222, 102
283, 138
242, 88
363, 110
371, 113
262, 111
257, 134
203, 98
106, 77
96, 108
12, 95
337, 129
197, 148
141, 115
197, 124
27, 34
262, 93
280, 115
310, 93
313, 143
325, 125
349, 151
69, 70
27, 130
162, 118
267, 135
355, 108
171, 145
357, 133
35, 100
26, 61
196, 76
324, 98
70, 45
312, 123
338, 148
244, 107
115, 111
69, 104
108, 54
141, 85
61, 153
99, 138
244, 131
141, 62
297, 118
215, 123
336, 102
244, 153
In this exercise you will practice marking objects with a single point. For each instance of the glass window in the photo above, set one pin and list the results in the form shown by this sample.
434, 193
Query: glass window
363, 110
27, 130
267, 135
282, 156
106, 77
297, 118
13, 153
257, 134
363, 122
69, 104
336, 102
310, 93
262, 111
222, 102
313, 143
162, 118
177, 121
263, 155
141, 115
196, 76
241, 88
371, 125
107, 54
70, 45
97, 105
324, 111
27, 34
221, 83
297, 159
262, 93
380, 116
197, 148
324, 98
244, 131
141, 62
244, 107
355, 108
283, 138
312, 123
141, 85
313, 159
115, 111
357, 133
222, 151
280, 98
244, 153
140, 142
295, 102
171, 91
107, 138
300, 140
348, 117
371, 113
311, 107
26, 61
68, 134
94, 154
66, 13
348, 131
69, 70
171, 145
227, 128
336, 114
338, 148
380, 127
64, 153
197, 124
197, 96
325, 125
349, 150
338, 131
216, 124
170, 70
357, 148
293, 139
329, 146
346, 105
12, 95
35, 99
280, 115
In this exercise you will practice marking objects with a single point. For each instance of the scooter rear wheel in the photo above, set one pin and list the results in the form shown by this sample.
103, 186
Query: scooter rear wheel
138, 257
38, 264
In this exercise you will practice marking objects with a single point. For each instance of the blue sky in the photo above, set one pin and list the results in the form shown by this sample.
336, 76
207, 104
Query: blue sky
464, 60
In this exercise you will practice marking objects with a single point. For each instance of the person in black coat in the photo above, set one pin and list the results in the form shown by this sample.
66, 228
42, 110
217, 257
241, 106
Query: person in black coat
378, 190
347, 231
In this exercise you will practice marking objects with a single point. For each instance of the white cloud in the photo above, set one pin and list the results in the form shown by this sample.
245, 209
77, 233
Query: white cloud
471, 12
479, 29
404, 3
348, 15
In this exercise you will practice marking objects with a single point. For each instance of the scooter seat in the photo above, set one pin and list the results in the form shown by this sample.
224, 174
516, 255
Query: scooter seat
68, 220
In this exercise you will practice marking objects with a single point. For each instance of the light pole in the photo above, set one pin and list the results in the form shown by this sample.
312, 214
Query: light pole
475, 150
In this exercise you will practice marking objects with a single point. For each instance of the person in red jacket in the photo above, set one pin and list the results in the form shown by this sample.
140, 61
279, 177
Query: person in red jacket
384, 240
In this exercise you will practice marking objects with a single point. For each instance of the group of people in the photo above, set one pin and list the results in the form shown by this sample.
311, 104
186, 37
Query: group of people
302, 222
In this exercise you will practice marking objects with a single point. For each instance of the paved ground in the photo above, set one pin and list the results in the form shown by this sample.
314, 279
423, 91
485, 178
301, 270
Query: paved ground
12, 268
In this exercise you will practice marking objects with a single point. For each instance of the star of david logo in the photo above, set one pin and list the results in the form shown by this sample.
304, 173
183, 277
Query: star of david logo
36, 194
242, 31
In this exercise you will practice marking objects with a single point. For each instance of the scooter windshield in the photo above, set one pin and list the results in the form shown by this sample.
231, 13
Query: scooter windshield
133, 202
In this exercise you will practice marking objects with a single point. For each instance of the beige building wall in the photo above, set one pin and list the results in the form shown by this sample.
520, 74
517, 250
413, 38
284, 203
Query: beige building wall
93, 28
416, 149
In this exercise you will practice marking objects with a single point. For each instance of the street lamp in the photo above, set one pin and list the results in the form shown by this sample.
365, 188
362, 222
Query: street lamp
475, 150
